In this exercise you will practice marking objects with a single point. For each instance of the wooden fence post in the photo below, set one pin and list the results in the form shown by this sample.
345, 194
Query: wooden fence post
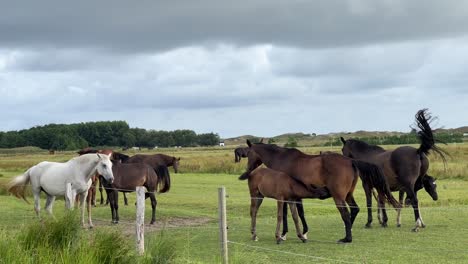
140, 220
222, 224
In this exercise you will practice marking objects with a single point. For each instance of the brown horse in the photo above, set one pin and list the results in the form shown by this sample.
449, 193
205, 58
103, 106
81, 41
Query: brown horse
402, 167
337, 173
265, 182
127, 176
240, 153
154, 161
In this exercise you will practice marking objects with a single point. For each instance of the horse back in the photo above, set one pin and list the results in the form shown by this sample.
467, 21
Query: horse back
128, 176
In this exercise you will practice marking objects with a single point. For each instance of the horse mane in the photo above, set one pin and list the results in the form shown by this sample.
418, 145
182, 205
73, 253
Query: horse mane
362, 146
276, 148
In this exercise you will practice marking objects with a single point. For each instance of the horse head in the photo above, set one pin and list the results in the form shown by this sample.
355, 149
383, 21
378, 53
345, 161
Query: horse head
104, 167
175, 164
430, 186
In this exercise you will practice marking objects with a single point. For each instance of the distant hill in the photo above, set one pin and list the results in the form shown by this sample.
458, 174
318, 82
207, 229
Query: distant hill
321, 139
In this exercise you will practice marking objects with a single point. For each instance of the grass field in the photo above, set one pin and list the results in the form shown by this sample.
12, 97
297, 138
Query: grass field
186, 216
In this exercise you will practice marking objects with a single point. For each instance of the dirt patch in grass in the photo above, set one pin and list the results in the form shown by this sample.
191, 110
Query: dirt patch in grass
128, 227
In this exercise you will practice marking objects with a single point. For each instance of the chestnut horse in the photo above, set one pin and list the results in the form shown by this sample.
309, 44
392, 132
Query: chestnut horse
127, 176
402, 167
240, 153
337, 173
265, 182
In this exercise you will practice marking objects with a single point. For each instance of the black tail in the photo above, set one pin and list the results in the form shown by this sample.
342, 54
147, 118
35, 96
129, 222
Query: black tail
164, 178
425, 135
372, 176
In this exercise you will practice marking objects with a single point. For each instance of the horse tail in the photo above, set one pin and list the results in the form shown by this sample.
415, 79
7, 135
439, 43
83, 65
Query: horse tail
426, 136
17, 186
372, 176
164, 179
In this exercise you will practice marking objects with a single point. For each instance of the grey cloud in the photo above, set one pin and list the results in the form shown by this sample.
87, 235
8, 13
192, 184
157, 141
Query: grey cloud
123, 26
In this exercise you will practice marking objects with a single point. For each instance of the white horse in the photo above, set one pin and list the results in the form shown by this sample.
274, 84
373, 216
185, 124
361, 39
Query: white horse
54, 177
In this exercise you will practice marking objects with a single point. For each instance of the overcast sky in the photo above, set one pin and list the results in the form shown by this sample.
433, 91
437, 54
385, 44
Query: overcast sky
261, 67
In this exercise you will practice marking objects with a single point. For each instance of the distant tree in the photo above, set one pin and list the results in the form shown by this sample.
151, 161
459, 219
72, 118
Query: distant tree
292, 142
208, 139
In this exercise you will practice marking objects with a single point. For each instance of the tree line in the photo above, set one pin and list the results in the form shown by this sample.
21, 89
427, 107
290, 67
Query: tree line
104, 133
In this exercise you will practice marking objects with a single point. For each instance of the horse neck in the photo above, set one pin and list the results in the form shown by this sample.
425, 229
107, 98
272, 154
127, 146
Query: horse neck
88, 166
271, 159
301, 191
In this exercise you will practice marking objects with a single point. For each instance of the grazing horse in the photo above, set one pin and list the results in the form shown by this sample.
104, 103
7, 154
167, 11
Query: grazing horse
128, 176
265, 182
53, 177
240, 153
427, 182
337, 173
402, 167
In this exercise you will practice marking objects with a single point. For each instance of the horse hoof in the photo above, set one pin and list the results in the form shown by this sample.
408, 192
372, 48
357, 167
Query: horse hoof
398, 225
283, 238
423, 226
91, 227
415, 229
384, 225
304, 240
344, 240
254, 238
152, 222
278, 241
305, 235
368, 225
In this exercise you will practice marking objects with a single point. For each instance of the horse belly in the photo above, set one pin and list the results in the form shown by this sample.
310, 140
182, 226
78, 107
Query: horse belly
53, 180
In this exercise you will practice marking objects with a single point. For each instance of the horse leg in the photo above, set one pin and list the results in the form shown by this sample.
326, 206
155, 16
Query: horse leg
153, 207
83, 203
285, 222
110, 198
368, 192
354, 208
89, 201
300, 211
116, 206
49, 204
255, 203
37, 204
383, 211
100, 192
125, 199
342, 208
401, 195
293, 208
279, 219
414, 202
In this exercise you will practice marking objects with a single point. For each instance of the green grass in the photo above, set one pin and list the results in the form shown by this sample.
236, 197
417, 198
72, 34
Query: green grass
188, 231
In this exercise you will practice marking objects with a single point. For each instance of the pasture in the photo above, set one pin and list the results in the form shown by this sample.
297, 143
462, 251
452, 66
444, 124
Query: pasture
186, 216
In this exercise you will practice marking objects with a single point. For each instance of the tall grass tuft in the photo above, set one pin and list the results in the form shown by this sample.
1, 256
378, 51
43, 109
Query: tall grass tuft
159, 250
58, 234
112, 247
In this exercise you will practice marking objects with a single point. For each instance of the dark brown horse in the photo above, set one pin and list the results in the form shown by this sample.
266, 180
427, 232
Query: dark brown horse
337, 173
265, 182
240, 153
127, 176
402, 167
154, 161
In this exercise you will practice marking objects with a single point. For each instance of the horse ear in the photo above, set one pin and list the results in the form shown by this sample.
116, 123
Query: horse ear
178, 158
343, 140
261, 140
249, 143
99, 156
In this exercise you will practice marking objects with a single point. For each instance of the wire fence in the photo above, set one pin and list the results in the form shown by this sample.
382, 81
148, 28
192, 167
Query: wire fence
326, 227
